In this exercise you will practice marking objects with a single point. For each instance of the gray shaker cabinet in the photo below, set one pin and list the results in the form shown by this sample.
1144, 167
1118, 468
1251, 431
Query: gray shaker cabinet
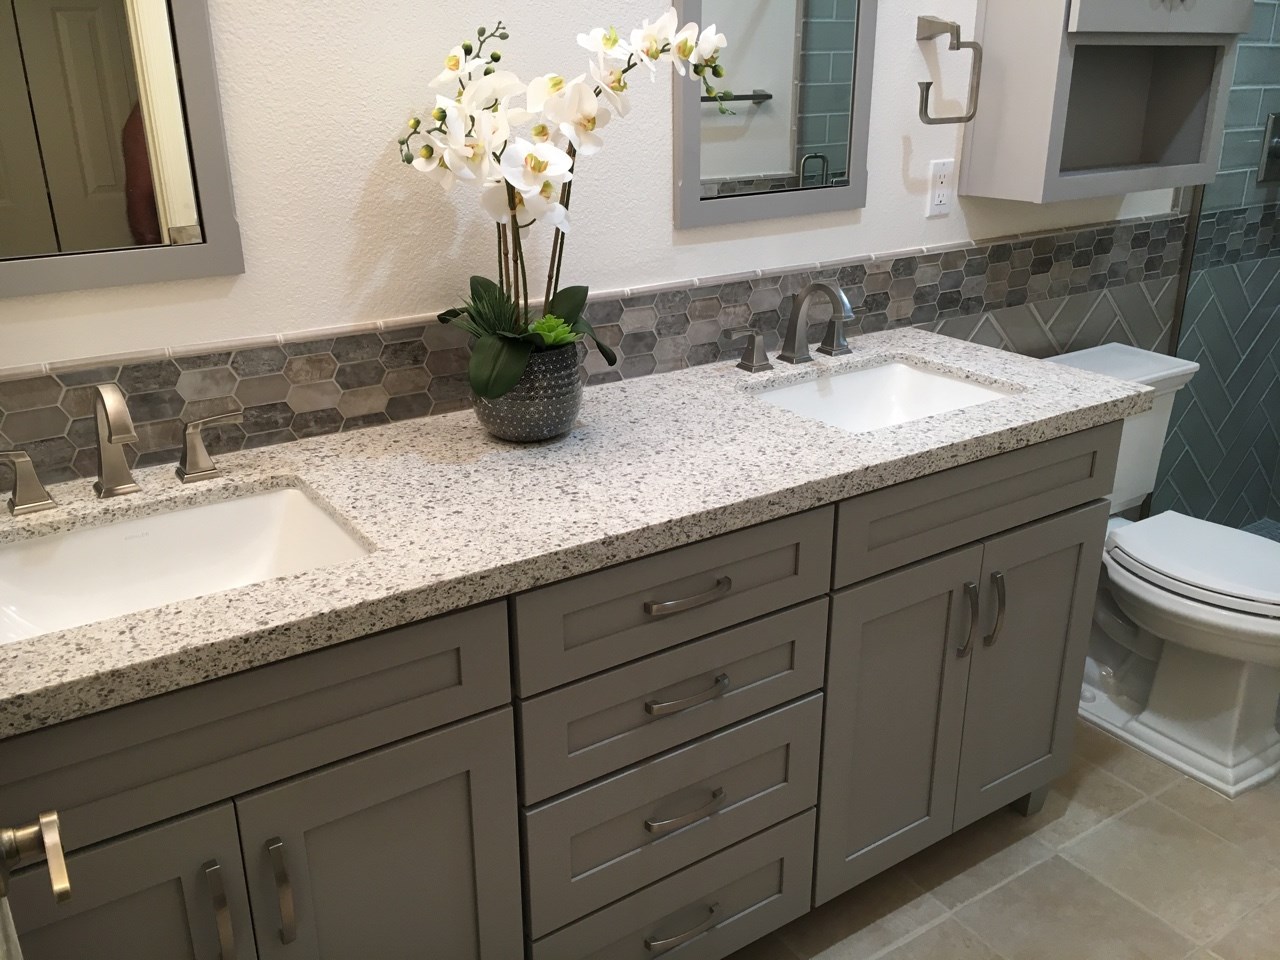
173, 892
1024, 683
935, 718
411, 851
895, 711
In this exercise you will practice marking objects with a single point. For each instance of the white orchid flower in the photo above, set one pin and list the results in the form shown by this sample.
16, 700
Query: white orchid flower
578, 115
543, 89
458, 154
612, 84
542, 204
429, 158
457, 67
710, 43
605, 44
683, 46
495, 90
527, 166
651, 40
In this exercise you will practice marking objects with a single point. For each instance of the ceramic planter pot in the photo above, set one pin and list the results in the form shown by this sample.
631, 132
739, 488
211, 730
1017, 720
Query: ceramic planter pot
543, 404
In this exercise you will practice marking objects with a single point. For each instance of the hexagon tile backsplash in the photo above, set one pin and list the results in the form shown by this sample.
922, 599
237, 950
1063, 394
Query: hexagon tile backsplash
1038, 295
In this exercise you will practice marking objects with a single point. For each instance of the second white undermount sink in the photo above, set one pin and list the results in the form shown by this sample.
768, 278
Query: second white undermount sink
86, 575
885, 395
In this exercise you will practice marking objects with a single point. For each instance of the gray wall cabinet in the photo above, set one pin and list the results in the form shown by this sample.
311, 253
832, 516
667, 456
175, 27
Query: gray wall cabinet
172, 892
1130, 96
710, 740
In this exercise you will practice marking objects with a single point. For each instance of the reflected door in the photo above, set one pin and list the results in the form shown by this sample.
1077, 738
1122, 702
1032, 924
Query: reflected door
26, 222
83, 88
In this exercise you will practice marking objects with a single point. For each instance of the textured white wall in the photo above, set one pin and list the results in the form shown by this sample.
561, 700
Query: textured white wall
337, 231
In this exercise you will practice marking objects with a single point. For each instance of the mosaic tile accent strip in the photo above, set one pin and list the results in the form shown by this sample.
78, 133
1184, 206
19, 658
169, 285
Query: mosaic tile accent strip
732, 187
1236, 236
1033, 295
1223, 452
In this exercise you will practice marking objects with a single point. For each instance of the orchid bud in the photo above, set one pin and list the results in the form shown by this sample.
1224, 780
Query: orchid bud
438, 114
488, 71
414, 123
481, 32
426, 153
717, 71
467, 48
495, 56
504, 35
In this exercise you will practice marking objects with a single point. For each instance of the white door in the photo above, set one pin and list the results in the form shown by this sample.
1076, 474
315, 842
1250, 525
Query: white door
26, 224
83, 87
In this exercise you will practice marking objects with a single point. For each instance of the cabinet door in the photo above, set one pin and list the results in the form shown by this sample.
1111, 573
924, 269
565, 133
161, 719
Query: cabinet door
899, 659
410, 851
1123, 16
173, 892
1212, 16
1024, 683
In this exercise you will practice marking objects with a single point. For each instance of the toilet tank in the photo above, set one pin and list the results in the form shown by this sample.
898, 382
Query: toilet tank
1143, 438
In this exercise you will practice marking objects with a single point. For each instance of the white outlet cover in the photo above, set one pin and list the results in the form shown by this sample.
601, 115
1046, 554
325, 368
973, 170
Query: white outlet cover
941, 193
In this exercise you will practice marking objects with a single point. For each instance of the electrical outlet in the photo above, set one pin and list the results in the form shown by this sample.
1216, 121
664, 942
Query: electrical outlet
942, 174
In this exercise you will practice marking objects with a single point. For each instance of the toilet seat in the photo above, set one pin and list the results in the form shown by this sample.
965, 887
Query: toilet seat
1203, 562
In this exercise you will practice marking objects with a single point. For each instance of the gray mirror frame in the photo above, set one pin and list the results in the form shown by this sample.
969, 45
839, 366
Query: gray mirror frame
692, 211
221, 253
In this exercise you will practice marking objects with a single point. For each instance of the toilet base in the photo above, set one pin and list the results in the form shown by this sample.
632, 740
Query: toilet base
1210, 717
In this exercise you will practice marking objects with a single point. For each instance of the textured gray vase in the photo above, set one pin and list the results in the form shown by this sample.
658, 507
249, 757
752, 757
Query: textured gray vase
543, 404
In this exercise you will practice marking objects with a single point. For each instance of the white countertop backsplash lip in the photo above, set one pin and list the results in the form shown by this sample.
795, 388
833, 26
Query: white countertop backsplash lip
457, 518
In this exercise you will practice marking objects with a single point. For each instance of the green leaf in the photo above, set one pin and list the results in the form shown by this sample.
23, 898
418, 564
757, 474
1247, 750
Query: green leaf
483, 288
451, 315
569, 304
584, 328
497, 364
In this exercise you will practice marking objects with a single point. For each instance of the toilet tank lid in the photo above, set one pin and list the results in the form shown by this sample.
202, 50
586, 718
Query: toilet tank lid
1220, 560
1123, 362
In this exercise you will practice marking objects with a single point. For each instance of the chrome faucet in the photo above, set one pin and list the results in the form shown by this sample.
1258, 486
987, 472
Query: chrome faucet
795, 343
115, 429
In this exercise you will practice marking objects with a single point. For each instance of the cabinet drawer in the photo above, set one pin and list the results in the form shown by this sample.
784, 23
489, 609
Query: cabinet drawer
890, 528
116, 771
597, 726
605, 841
713, 908
582, 626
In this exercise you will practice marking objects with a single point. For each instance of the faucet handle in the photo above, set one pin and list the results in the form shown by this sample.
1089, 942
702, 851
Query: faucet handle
196, 464
834, 342
29, 494
754, 359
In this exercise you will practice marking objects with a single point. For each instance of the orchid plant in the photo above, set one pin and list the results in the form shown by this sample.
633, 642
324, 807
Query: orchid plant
520, 144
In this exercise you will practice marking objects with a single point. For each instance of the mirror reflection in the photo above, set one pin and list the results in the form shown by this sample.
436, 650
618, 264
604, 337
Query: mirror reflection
791, 68
93, 141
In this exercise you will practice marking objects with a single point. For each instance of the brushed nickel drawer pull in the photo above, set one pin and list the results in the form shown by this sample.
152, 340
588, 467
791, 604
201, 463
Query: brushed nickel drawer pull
662, 946
662, 827
668, 607
284, 891
661, 708
221, 912
975, 603
19, 845
1001, 606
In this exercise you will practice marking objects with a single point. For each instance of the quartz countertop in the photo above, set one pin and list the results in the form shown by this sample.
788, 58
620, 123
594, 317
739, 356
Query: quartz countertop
459, 518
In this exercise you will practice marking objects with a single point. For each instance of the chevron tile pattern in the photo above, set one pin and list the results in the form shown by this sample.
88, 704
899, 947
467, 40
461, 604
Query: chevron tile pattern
1222, 458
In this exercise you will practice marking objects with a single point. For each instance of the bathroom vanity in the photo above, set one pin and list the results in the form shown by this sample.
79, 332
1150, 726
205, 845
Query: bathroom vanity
760, 661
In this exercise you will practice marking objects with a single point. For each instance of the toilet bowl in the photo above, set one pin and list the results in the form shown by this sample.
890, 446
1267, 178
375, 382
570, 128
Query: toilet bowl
1184, 661
1202, 602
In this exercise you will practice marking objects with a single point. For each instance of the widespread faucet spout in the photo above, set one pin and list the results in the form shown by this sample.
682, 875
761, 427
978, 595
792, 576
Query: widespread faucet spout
115, 429
795, 343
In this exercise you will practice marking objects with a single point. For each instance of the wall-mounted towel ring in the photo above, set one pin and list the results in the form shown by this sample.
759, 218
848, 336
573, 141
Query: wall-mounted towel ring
927, 28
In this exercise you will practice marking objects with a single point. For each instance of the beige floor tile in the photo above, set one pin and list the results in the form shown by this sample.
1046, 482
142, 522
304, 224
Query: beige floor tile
1251, 820
1196, 881
1121, 760
768, 948
1055, 911
1084, 798
1256, 937
863, 921
947, 941
969, 863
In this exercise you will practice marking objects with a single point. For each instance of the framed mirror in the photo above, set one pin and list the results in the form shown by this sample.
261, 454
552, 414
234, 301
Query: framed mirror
794, 138
113, 166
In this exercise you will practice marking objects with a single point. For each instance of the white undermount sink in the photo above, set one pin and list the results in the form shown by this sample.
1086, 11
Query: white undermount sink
884, 395
71, 579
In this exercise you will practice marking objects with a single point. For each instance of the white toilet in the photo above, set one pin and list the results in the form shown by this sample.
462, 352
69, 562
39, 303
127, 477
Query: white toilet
1184, 662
